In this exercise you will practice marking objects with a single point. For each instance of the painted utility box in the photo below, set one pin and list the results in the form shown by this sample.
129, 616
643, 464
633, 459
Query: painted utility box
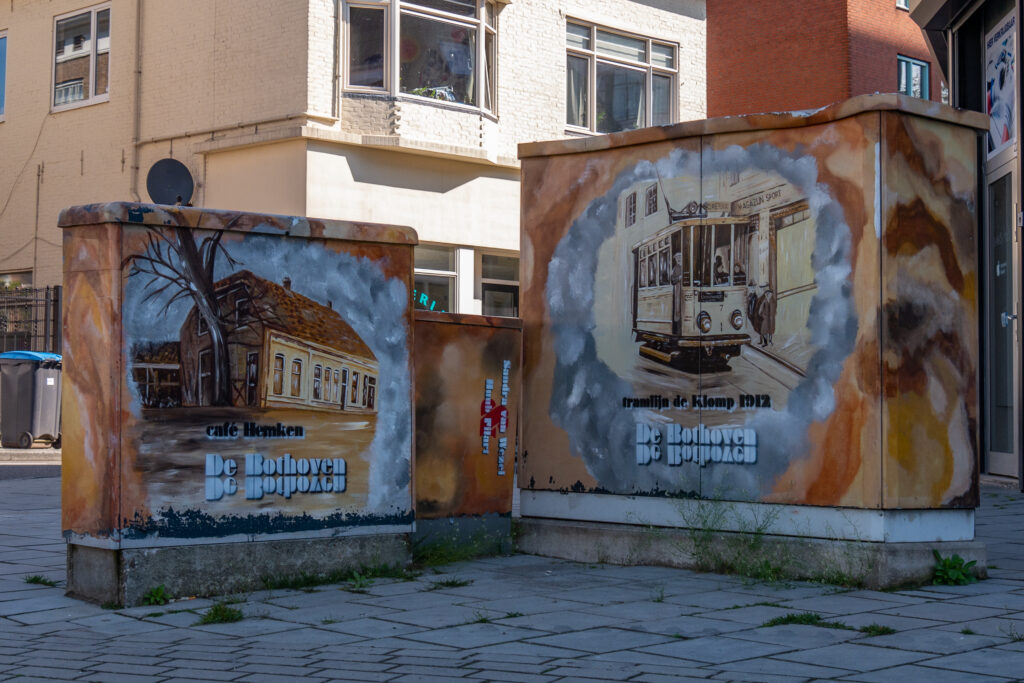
764, 323
237, 398
467, 420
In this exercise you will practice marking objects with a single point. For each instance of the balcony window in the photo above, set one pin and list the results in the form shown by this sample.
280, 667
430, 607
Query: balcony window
444, 49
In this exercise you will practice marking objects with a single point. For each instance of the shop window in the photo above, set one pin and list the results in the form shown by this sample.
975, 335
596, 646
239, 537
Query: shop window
444, 49
318, 371
354, 398
617, 81
81, 63
434, 278
912, 77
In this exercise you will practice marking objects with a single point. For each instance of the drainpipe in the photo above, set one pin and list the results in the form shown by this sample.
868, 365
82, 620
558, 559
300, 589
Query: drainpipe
137, 114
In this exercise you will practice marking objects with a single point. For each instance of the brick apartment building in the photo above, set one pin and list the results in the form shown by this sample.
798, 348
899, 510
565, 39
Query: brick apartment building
392, 111
783, 55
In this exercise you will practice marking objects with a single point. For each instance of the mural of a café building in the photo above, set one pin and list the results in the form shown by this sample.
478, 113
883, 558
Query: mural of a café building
284, 350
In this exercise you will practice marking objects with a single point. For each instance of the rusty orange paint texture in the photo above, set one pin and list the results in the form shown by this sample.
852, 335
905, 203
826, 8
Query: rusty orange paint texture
139, 415
834, 254
460, 361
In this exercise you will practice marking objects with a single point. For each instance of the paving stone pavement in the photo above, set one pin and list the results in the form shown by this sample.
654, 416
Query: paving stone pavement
518, 618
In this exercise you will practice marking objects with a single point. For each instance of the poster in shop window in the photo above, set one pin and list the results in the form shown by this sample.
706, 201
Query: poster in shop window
1000, 77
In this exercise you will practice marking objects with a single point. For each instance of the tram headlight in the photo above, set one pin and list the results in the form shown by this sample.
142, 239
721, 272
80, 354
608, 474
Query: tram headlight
704, 322
736, 319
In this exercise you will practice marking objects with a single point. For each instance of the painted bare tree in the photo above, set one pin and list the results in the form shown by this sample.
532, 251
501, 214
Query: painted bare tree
178, 269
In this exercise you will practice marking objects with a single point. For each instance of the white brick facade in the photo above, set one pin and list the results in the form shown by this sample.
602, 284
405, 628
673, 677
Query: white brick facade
250, 95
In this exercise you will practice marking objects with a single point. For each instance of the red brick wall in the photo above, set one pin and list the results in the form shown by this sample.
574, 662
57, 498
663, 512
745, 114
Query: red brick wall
782, 55
776, 55
878, 33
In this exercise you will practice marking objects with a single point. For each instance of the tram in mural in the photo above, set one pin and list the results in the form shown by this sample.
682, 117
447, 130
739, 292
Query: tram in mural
690, 292
712, 278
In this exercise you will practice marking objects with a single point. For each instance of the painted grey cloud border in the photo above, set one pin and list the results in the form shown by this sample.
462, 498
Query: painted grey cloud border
584, 389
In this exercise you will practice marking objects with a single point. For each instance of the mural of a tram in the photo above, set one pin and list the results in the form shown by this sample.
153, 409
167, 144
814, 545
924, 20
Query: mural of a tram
690, 292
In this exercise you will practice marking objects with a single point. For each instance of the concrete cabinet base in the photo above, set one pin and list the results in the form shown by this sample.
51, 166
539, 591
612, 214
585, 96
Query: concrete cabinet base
873, 564
125, 576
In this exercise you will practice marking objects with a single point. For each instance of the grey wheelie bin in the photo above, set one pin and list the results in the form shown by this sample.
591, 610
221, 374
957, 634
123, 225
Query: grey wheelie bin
29, 398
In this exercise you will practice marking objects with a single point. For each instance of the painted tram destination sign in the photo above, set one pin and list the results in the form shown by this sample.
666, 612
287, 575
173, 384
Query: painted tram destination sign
269, 384
710, 318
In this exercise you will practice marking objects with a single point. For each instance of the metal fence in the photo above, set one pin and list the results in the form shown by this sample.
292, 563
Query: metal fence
30, 319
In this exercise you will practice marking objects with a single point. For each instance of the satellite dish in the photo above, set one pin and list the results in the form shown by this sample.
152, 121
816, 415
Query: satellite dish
169, 182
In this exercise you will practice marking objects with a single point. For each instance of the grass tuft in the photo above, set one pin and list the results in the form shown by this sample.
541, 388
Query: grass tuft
220, 613
806, 619
877, 630
40, 580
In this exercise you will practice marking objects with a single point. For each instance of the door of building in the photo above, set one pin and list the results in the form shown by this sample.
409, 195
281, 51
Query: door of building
1001, 324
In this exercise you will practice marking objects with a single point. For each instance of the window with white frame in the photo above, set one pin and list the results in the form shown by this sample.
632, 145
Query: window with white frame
617, 81
443, 50
434, 278
630, 209
3, 71
903, 4
81, 62
912, 77
499, 285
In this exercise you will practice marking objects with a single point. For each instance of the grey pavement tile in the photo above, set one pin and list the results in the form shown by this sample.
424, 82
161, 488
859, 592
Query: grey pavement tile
687, 626
754, 615
601, 640
943, 611
45, 672
225, 663
721, 599
854, 656
1006, 663
442, 673
756, 677
440, 617
115, 624
514, 677
806, 636
277, 677
890, 620
174, 618
605, 595
417, 601
303, 638
997, 627
646, 611
658, 678
248, 627
838, 604
934, 640
767, 666
370, 628
562, 622
649, 661
781, 592
36, 604
1001, 600
525, 649
473, 635
196, 674
914, 673
527, 604
121, 668
715, 650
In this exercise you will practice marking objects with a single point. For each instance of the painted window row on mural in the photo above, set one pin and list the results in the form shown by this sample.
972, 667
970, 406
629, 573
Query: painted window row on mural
81, 62
616, 81
329, 384
444, 49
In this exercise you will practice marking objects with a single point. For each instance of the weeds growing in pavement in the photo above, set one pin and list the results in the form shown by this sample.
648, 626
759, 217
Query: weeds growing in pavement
877, 630
40, 580
220, 613
448, 583
807, 619
156, 596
